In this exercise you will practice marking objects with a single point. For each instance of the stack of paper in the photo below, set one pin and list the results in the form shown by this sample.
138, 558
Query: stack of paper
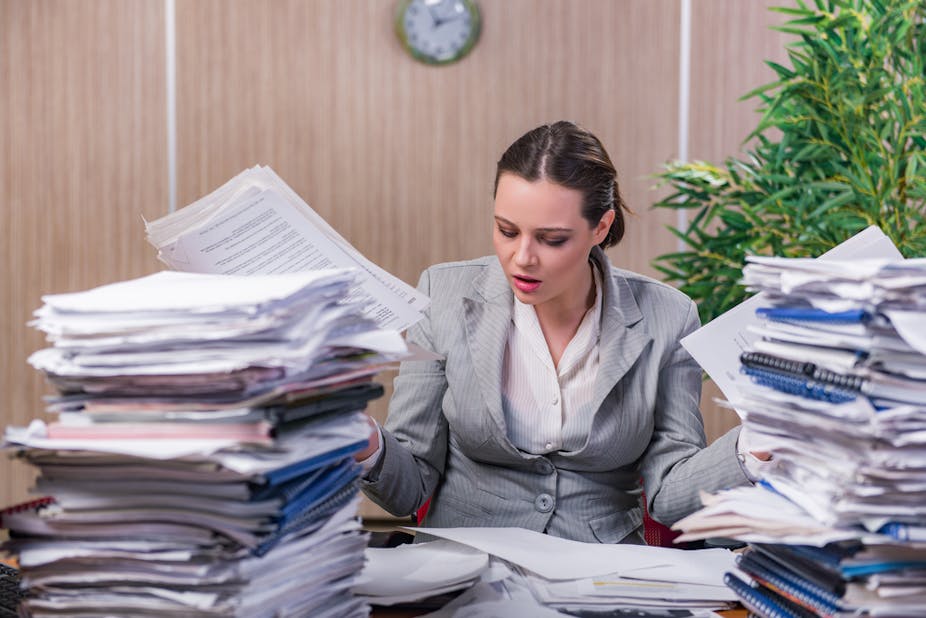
201, 462
592, 576
837, 361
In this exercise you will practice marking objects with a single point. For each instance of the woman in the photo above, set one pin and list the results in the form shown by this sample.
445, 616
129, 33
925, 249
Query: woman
562, 383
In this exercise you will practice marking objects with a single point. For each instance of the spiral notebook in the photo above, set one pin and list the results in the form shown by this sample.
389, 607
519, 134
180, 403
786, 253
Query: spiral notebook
802, 592
798, 385
763, 602
810, 380
821, 573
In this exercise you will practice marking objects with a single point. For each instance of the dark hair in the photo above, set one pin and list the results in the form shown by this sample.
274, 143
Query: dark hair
570, 156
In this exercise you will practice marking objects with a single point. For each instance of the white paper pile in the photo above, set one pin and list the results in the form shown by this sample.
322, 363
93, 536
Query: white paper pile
837, 394
582, 577
201, 463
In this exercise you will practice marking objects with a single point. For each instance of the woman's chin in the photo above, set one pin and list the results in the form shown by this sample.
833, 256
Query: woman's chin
528, 298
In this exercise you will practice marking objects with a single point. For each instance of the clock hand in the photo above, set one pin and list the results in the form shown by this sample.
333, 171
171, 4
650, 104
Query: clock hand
436, 21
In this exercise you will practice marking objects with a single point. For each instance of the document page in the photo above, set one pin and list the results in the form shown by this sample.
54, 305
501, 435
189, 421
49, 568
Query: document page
258, 229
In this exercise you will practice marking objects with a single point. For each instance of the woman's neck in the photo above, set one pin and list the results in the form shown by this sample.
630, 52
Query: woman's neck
559, 322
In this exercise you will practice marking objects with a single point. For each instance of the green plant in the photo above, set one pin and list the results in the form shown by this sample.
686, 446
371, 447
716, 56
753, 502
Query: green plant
841, 145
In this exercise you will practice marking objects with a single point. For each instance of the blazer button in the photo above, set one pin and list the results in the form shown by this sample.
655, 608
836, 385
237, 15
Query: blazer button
544, 467
544, 503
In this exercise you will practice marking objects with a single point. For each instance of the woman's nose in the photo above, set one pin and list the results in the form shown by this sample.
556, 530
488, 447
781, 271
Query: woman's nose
525, 255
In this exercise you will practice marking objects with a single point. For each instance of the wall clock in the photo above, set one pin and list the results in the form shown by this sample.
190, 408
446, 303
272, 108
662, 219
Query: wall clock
438, 31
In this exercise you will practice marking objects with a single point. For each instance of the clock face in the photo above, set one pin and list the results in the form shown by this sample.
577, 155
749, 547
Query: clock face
438, 31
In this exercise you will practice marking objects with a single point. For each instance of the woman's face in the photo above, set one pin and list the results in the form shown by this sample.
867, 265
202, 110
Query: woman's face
543, 242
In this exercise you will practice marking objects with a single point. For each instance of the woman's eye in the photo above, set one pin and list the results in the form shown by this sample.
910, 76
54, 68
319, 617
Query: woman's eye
555, 242
507, 233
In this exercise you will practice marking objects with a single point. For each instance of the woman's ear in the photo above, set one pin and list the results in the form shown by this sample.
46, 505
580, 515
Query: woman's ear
604, 225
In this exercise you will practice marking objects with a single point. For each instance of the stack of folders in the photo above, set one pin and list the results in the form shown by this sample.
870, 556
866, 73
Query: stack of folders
837, 525
200, 462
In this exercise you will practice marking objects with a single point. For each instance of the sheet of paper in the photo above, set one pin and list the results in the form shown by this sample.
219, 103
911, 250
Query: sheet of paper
532, 550
414, 571
911, 325
717, 345
256, 224
485, 600
183, 292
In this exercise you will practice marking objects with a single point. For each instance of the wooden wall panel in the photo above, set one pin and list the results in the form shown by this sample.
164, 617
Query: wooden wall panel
723, 69
82, 160
400, 156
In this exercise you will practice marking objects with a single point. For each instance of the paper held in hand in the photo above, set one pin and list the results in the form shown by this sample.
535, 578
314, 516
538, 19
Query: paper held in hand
256, 224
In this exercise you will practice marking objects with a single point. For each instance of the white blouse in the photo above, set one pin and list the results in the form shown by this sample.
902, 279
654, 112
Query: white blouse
542, 402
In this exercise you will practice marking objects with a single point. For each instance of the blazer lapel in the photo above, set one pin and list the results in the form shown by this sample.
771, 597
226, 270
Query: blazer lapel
487, 317
623, 336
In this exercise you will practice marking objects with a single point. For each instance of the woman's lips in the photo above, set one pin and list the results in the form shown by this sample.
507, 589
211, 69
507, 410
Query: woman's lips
525, 284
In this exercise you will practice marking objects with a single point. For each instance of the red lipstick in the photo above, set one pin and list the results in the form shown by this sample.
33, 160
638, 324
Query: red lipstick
525, 284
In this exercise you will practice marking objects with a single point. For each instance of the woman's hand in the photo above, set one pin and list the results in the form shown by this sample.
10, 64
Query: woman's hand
373, 442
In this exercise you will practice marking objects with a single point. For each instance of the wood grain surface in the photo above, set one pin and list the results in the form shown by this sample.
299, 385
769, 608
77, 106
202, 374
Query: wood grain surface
398, 156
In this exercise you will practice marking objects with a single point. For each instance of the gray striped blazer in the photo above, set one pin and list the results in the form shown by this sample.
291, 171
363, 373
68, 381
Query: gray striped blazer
445, 437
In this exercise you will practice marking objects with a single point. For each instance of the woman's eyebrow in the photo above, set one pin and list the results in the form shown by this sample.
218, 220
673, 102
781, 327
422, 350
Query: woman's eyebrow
539, 229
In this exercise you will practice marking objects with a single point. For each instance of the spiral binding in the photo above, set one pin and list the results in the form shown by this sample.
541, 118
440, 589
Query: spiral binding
32, 505
801, 368
758, 601
802, 386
